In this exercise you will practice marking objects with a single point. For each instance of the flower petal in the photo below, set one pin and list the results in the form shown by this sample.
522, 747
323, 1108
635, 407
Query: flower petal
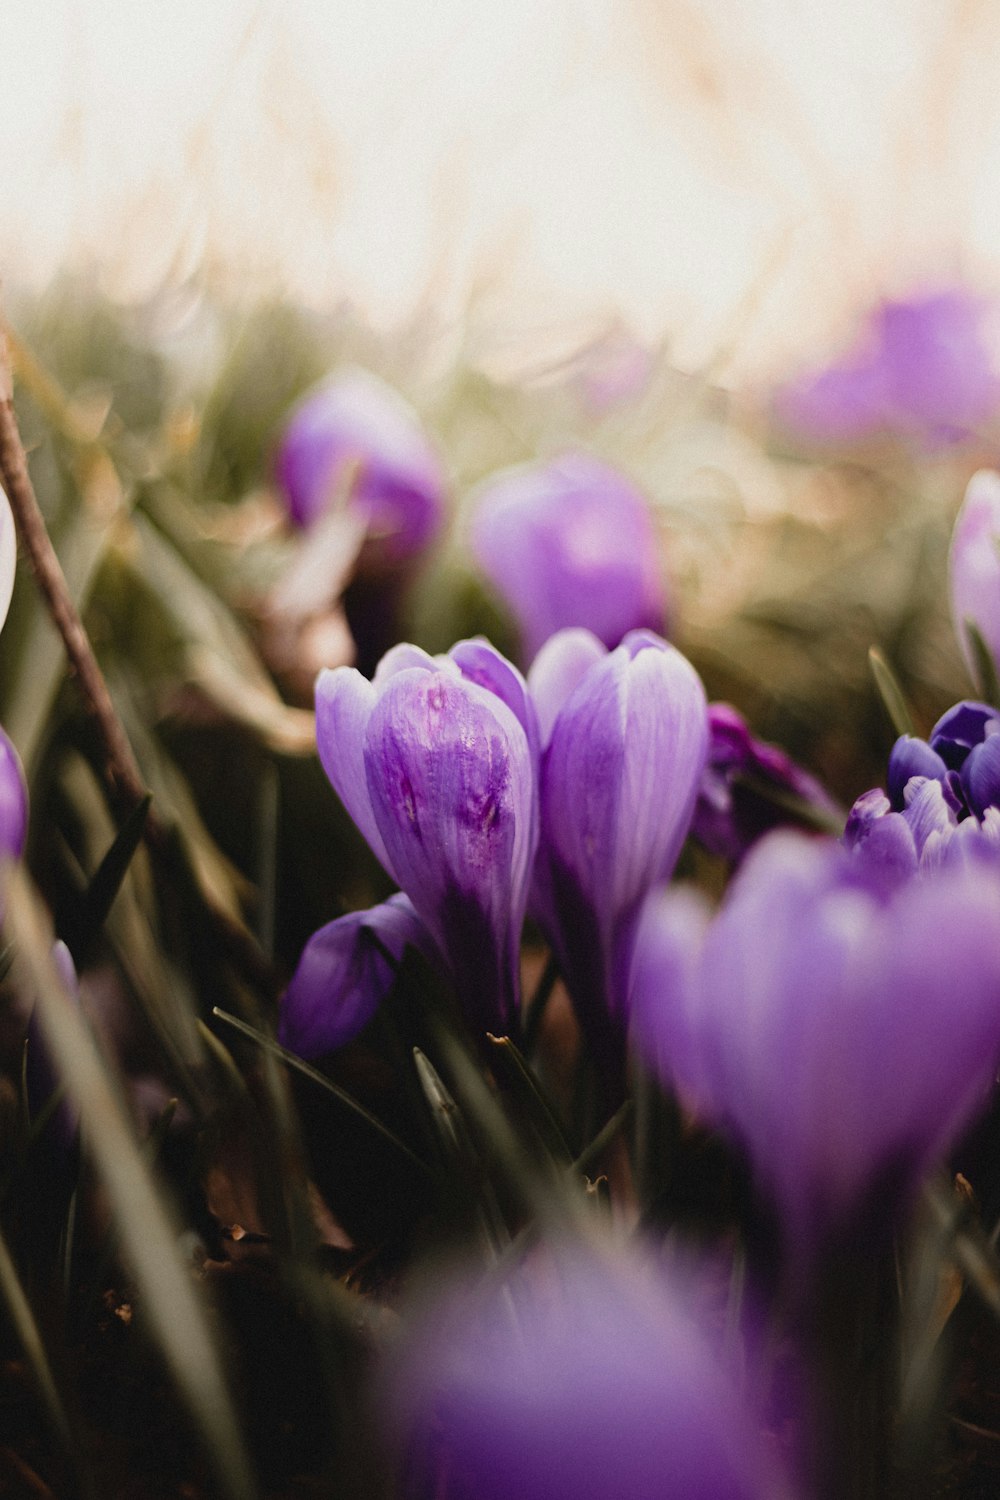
344, 704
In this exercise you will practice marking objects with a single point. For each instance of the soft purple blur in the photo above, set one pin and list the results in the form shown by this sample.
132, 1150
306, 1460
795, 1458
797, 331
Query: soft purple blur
583, 1381
974, 568
570, 542
844, 1028
624, 736
355, 433
750, 787
436, 762
13, 802
921, 367
346, 970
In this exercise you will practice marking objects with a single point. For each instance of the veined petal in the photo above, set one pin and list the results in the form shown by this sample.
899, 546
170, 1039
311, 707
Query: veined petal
451, 782
344, 704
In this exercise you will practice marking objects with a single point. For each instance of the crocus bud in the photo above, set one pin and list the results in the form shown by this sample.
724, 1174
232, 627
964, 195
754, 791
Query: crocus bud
974, 569
354, 440
625, 734
813, 980
436, 762
920, 366
570, 542
588, 1380
346, 970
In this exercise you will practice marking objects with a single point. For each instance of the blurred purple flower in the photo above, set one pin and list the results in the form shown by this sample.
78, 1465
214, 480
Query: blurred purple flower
588, 1381
921, 366
624, 736
943, 801
354, 433
750, 787
436, 762
815, 978
570, 542
974, 568
346, 970
13, 802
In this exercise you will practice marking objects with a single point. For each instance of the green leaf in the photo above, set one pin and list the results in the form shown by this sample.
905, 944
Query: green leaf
985, 667
524, 1086
890, 692
99, 897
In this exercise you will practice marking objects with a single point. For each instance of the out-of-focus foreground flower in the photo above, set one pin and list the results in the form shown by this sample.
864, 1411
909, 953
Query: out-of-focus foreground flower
13, 788
436, 762
354, 439
844, 1031
570, 542
624, 736
583, 1381
921, 367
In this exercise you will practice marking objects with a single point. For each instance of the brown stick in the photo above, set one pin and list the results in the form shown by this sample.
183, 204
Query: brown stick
122, 771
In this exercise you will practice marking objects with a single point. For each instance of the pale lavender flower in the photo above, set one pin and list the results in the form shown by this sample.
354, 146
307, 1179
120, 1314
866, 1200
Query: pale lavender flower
436, 762
570, 542
585, 1381
974, 568
920, 366
354, 439
346, 970
843, 1028
624, 735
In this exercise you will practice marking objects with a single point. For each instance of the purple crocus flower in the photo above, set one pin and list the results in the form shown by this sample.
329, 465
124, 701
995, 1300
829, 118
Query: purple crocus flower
346, 970
974, 568
624, 736
585, 1381
353, 432
436, 762
570, 542
844, 1029
943, 794
13, 802
920, 366
750, 787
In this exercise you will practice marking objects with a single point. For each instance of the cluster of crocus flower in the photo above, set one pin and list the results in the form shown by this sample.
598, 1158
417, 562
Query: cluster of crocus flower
569, 542
842, 1026
479, 791
583, 1376
921, 367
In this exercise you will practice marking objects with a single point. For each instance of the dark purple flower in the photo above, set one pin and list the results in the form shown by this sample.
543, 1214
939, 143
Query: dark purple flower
346, 970
586, 1380
750, 787
570, 542
843, 1028
936, 788
920, 366
974, 568
13, 802
353, 439
436, 762
624, 737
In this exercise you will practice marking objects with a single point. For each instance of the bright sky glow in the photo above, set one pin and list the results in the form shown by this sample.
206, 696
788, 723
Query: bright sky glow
716, 172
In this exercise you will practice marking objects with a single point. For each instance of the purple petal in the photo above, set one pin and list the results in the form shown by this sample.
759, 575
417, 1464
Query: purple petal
911, 757
619, 781
559, 667
588, 1380
663, 989
345, 702
927, 812
452, 789
981, 775
345, 972
963, 726
13, 802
